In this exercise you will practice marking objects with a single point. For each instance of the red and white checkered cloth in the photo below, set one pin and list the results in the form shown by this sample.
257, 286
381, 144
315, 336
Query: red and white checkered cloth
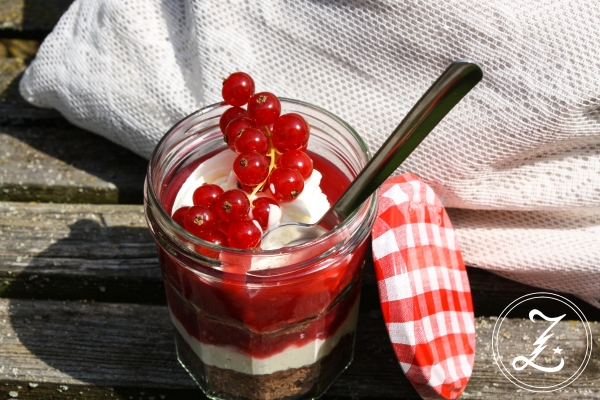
423, 288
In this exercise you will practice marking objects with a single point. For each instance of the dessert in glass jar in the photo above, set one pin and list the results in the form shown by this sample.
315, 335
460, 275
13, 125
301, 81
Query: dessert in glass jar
254, 323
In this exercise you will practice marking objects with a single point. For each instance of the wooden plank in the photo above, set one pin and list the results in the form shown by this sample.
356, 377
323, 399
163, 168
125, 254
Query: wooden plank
30, 18
62, 251
67, 165
18, 48
120, 349
106, 253
10, 69
88, 343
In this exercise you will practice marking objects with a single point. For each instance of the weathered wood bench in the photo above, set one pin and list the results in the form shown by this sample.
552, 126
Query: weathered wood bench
82, 307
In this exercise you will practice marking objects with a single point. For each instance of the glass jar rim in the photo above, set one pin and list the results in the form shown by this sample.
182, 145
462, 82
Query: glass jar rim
369, 205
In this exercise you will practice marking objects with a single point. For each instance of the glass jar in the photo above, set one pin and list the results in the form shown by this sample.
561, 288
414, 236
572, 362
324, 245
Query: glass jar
266, 324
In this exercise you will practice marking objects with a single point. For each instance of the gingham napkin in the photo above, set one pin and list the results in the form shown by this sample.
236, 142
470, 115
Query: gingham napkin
423, 288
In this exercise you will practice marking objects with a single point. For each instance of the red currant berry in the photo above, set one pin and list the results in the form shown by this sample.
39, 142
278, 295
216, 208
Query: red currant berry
207, 195
264, 108
252, 140
229, 115
200, 220
217, 237
261, 206
235, 128
286, 184
290, 132
223, 227
237, 89
179, 214
244, 234
251, 168
246, 188
233, 205
298, 160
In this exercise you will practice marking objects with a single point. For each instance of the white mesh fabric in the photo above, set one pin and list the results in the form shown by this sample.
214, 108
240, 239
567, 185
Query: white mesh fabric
527, 138
558, 250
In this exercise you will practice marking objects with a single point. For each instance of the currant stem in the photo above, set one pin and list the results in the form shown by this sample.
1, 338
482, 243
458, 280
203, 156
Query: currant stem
271, 154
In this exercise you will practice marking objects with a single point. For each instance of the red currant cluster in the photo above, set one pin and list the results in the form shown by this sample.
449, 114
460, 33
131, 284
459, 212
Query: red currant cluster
271, 146
271, 159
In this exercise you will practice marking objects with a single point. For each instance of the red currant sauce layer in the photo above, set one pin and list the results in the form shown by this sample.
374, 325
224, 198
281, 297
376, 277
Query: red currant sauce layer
211, 313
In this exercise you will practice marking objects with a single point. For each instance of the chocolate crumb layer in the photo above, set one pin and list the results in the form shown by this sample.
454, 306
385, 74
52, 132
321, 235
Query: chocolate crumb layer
289, 384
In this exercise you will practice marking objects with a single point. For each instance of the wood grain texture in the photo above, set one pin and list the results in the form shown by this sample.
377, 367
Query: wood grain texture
93, 252
18, 48
121, 348
10, 69
67, 165
30, 18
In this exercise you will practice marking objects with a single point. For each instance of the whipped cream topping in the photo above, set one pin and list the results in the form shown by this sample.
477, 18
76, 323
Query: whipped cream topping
308, 207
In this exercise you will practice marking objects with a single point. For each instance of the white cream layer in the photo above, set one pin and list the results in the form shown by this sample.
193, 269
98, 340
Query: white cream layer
291, 357
309, 207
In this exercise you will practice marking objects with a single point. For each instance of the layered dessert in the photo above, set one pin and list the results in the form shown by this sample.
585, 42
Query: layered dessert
250, 322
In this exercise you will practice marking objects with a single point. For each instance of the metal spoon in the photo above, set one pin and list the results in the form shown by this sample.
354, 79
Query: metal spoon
454, 83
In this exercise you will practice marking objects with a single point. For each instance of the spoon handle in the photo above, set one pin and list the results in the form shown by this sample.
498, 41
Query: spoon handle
454, 83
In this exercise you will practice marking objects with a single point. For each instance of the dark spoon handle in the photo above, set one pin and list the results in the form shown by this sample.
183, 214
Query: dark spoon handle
458, 79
